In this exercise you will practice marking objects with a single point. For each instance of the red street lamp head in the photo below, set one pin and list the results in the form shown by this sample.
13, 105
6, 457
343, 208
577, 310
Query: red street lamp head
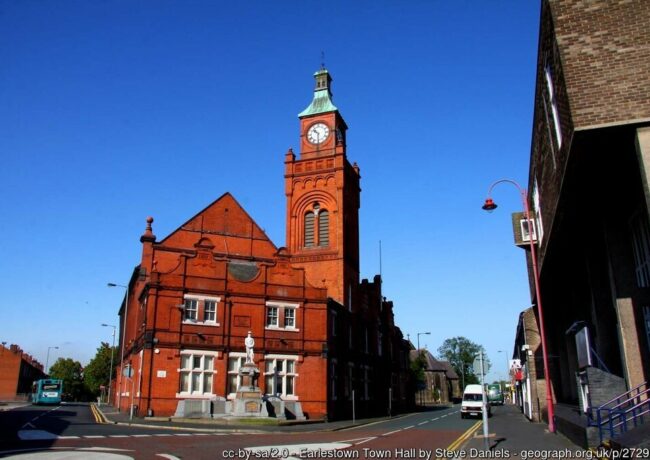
489, 205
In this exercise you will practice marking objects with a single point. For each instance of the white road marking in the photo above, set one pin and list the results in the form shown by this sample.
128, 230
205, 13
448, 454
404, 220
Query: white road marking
141, 435
391, 432
68, 437
163, 434
95, 437
119, 436
422, 423
409, 427
168, 456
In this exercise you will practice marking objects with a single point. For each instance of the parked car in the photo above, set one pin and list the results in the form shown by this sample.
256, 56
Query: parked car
495, 395
473, 402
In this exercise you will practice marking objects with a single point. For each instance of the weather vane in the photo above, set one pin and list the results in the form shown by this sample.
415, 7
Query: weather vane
322, 60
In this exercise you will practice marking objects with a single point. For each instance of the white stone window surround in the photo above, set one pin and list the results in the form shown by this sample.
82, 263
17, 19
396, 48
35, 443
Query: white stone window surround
282, 307
200, 312
200, 371
283, 375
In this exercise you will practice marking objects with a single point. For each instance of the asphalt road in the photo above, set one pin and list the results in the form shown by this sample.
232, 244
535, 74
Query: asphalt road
70, 431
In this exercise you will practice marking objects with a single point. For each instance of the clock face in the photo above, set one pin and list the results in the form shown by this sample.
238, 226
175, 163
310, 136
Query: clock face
318, 133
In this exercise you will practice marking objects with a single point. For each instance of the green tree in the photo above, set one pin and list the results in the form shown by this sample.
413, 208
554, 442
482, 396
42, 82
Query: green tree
71, 372
461, 352
96, 373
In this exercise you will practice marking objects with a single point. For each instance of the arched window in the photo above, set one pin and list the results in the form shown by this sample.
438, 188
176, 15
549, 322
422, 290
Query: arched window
309, 229
323, 228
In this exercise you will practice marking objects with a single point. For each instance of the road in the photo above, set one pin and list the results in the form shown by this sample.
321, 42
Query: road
70, 431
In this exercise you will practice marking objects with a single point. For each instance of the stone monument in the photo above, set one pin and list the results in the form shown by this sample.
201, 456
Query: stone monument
248, 399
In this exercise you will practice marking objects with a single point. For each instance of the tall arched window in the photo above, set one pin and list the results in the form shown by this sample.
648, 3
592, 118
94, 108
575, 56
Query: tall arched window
323, 228
309, 229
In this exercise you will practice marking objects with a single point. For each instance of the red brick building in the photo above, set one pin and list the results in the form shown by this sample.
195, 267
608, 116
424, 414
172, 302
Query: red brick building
320, 333
18, 370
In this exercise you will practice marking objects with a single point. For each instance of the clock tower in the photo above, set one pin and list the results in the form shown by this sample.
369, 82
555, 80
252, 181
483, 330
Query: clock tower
323, 199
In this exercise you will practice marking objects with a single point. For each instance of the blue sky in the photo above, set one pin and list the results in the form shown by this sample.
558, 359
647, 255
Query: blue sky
111, 111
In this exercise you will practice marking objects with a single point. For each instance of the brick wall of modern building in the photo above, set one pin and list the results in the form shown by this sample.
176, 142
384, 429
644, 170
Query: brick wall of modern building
605, 51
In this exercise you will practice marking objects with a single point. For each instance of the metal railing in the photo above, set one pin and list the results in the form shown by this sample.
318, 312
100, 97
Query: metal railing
624, 412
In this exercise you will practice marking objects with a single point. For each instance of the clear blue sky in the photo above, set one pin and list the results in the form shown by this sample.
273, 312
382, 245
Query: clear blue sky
111, 111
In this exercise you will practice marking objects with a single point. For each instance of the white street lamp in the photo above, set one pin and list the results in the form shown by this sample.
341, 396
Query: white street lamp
47, 360
110, 372
126, 311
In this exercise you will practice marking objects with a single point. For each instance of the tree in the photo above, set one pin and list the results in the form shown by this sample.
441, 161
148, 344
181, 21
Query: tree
418, 365
96, 373
461, 352
71, 372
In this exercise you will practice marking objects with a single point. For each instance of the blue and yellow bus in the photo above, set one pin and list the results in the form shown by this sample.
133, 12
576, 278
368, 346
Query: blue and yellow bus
47, 391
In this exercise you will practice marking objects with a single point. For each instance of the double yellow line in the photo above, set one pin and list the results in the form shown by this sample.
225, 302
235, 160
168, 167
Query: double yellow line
99, 417
465, 436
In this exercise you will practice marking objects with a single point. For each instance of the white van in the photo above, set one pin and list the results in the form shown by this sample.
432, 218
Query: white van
473, 402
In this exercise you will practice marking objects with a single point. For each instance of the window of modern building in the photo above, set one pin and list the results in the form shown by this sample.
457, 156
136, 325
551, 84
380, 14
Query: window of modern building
280, 375
553, 104
281, 315
641, 247
197, 306
646, 319
538, 213
196, 372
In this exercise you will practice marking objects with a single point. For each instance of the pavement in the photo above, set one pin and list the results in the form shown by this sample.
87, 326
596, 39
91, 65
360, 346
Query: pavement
512, 435
109, 414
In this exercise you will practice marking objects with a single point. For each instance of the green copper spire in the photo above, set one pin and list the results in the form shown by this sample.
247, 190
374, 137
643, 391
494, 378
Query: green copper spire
322, 102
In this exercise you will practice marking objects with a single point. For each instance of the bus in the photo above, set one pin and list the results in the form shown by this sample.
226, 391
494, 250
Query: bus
47, 391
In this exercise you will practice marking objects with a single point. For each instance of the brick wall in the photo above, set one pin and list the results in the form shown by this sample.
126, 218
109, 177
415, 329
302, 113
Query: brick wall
605, 51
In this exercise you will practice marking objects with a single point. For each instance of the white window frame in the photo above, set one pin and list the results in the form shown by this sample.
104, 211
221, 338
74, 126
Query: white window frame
190, 315
200, 309
212, 313
282, 308
291, 317
525, 234
201, 371
241, 359
281, 375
